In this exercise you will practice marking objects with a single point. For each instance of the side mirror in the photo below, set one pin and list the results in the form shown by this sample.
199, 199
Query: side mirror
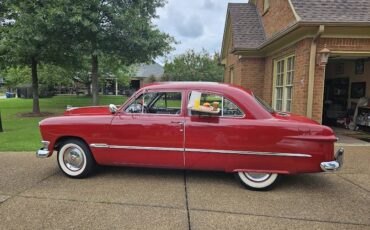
112, 108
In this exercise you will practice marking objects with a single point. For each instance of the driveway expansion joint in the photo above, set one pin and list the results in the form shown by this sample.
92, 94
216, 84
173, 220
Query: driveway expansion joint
102, 202
18, 194
278, 217
186, 201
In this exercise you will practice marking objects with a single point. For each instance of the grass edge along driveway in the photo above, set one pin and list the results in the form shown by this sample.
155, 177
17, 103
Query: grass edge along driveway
22, 133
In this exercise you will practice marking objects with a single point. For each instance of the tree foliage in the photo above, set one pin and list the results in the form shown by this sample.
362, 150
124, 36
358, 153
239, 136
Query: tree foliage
65, 32
122, 29
30, 34
15, 76
193, 66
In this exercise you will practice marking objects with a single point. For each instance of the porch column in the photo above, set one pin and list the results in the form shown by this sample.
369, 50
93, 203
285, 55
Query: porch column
318, 92
311, 73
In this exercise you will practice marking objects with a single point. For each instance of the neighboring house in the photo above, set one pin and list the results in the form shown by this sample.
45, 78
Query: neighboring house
144, 72
289, 52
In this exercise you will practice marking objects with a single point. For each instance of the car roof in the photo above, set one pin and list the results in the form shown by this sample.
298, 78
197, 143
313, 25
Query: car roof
196, 85
242, 97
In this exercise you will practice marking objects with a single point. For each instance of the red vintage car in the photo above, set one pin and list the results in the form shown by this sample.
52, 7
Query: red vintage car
191, 125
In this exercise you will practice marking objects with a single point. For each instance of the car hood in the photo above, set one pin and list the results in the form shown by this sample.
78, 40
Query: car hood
90, 110
293, 117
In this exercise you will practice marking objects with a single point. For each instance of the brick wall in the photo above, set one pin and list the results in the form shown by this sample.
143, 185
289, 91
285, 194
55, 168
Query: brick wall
232, 62
252, 74
268, 80
300, 85
278, 17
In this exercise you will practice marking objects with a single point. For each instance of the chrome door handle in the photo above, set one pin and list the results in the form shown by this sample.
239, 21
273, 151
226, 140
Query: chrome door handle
178, 122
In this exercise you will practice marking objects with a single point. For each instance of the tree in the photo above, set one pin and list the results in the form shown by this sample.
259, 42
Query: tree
110, 66
60, 32
193, 66
51, 76
29, 35
122, 29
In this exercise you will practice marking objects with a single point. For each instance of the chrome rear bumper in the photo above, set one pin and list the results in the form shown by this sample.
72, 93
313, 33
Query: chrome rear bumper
335, 165
44, 151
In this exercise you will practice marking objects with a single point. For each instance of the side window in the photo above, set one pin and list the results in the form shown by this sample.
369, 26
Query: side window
230, 109
136, 105
166, 103
215, 102
156, 103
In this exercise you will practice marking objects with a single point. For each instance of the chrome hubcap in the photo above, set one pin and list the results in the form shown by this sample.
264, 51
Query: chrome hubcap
73, 158
257, 177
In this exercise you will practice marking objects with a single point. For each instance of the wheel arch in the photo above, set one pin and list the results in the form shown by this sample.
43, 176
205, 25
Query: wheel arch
61, 139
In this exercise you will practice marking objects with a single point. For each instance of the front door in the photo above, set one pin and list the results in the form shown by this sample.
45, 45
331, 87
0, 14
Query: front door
150, 132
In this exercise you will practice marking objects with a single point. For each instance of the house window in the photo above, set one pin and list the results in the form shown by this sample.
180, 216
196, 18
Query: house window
283, 84
232, 75
266, 5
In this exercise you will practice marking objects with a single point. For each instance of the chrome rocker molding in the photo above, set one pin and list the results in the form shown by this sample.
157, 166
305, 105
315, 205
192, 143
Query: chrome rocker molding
331, 166
100, 145
44, 151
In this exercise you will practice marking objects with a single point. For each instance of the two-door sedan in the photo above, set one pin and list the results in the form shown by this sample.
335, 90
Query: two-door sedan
191, 125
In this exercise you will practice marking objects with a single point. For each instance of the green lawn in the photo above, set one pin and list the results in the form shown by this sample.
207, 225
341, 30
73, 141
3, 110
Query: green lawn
22, 133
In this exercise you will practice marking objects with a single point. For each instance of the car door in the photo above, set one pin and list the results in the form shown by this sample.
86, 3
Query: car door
211, 137
149, 131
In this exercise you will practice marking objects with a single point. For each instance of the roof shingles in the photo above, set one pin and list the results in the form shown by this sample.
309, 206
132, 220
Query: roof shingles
248, 31
333, 10
247, 28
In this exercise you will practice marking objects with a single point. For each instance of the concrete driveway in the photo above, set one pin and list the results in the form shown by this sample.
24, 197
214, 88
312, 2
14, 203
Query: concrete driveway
34, 194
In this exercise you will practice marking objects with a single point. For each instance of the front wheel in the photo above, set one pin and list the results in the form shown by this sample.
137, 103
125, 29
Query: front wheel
75, 159
258, 181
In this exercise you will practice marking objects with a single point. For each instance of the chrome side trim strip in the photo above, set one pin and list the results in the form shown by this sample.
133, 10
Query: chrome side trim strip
146, 148
201, 150
249, 153
99, 145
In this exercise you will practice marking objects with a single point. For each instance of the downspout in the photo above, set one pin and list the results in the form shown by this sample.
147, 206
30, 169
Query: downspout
311, 71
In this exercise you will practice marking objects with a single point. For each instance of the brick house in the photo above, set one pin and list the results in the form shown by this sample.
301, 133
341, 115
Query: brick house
289, 52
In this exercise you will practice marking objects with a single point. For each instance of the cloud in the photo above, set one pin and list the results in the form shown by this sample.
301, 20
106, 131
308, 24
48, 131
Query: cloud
191, 28
209, 4
195, 24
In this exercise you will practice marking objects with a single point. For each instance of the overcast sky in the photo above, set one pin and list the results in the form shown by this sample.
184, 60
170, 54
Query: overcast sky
195, 24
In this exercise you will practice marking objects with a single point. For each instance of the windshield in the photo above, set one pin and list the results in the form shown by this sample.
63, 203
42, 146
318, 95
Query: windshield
264, 104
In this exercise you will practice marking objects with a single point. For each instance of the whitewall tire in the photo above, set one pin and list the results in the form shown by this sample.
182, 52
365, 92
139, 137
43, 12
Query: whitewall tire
258, 181
75, 159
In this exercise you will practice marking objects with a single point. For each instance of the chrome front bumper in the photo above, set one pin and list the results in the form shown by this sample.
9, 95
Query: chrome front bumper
44, 151
335, 165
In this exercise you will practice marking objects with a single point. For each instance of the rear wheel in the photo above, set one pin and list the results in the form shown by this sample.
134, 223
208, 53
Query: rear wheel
75, 159
258, 181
